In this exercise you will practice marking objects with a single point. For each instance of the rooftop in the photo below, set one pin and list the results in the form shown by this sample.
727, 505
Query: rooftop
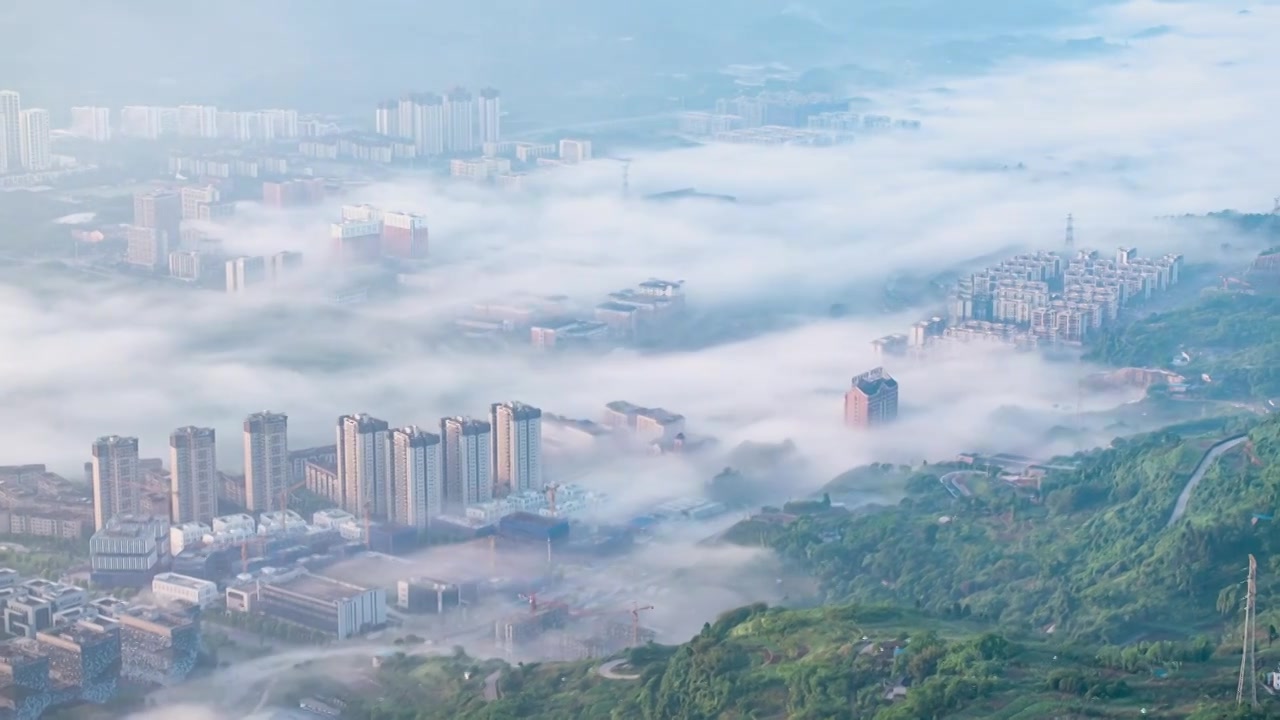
321, 588
616, 307
185, 581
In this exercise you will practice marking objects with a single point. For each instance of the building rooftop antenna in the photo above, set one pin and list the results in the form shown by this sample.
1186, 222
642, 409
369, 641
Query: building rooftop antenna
1070, 239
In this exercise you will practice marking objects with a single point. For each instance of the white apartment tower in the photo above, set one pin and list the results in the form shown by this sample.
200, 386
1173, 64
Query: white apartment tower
575, 151
10, 110
417, 493
517, 446
490, 109
116, 478
193, 475
91, 123
460, 121
464, 465
364, 464
35, 146
266, 460
198, 121
4, 147
427, 123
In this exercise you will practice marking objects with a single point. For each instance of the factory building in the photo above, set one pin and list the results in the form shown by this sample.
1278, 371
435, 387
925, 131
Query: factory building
328, 606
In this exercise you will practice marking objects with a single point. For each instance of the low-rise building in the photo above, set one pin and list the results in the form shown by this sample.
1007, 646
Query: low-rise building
326, 605
171, 587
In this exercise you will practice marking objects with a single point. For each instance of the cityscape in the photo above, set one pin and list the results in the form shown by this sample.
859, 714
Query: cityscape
817, 364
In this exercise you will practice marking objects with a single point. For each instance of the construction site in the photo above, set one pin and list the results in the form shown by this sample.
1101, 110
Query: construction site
559, 630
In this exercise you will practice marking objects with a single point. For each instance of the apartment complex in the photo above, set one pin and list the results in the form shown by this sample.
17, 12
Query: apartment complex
266, 459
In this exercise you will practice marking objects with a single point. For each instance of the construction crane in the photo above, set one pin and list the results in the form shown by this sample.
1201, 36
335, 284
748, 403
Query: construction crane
635, 622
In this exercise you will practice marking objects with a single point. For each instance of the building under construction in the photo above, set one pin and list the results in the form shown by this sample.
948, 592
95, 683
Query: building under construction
613, 637
522, 628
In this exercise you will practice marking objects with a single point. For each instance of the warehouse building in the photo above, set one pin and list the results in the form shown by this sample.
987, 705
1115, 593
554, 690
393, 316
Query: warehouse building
326, 605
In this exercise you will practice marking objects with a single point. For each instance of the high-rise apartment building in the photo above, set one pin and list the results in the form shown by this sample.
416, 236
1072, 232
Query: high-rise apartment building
159, 210
517, 446
427, 123
193, 475
490, 115
116, 478
194, 196
35, 148
872, 401
465, 461
364, 464
266, 460
11, 110
198, 121
245, 272
91, 123
142, 121
4, 148
417, 492
460, 121
386, 119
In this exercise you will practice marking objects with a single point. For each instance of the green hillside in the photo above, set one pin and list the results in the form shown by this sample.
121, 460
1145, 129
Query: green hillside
1073, 600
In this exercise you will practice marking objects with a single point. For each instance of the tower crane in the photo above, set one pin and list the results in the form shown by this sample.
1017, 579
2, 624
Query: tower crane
626, 174
551, 489
635, 622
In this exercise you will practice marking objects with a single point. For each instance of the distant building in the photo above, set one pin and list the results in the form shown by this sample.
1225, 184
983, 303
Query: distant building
490, 115
293, 193
91, 123
417, 489
575, 151
172, 586
34, 127
335, 608
266, 460
364, 464
872, 401
517, 446
245, 272
465, 461
193, 466
117, 478
129, 550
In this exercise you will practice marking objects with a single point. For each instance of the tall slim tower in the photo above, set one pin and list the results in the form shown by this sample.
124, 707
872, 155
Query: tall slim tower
266, 459
517, 446
193, 474
10, 110
417, 493
464, 466
460, 121
490, 115
1070, 240
116, 478
1248, 656
34, 144
364, 464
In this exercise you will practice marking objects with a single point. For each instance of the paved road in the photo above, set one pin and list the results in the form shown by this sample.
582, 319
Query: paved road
491, 691
607, 670
1206, 462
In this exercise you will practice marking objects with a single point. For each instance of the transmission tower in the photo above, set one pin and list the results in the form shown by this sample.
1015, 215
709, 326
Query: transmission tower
1070, 240
1248, 660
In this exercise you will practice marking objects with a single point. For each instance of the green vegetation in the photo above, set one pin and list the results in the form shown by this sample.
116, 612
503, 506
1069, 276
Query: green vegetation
1233, 338
266, 627
1075, 599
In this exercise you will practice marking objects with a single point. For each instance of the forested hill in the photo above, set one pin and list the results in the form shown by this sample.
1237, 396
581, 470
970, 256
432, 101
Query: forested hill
1077, 599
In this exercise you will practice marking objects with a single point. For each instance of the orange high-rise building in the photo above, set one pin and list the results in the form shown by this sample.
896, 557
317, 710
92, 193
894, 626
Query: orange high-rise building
872, 401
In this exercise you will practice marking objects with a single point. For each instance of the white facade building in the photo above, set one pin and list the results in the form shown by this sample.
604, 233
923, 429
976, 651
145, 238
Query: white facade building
36, 153
364, 464
465, 461
91, 123
172, 586
517, 446
418, 492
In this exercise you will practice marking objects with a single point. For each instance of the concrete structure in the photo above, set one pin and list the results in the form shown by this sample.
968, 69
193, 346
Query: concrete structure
489, 107
157, 646
158, 210
322, 479
282, 264
517, 446
84, 657
428, 595
266, 459
129, 550
356, 242
36, 149
460, 121
147, 247
116, 478
293, 193
11, 112
417, 491
566, 333
245, 272
170, 587
575, 151
193, 468
465, 461
364, 464
91, 123
335, 608
647, 425
872, 401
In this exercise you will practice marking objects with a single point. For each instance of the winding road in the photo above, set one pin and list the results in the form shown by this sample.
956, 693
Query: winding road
491, 691
609, 670
1206, 462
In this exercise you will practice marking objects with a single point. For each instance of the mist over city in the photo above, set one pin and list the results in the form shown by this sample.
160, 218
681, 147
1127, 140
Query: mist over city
414, 360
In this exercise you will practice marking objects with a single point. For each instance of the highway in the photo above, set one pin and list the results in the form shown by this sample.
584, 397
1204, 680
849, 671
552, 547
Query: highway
1206, 462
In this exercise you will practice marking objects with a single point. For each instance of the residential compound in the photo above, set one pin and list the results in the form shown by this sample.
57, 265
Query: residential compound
1042, 298
785, 118
367, 234
435, 124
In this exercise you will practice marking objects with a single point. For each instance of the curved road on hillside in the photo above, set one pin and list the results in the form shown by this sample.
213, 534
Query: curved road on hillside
1206, 462
491, 691
609, 670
